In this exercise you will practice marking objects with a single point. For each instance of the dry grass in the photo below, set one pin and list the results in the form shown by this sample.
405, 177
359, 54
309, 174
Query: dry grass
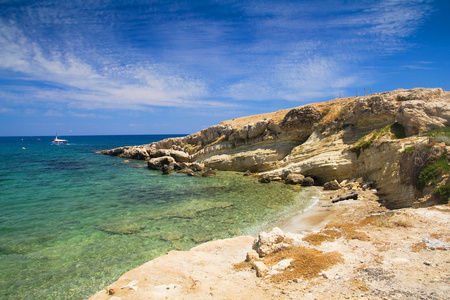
349, 231
358, 284
307, 263
242, 266
326, 235
416, 247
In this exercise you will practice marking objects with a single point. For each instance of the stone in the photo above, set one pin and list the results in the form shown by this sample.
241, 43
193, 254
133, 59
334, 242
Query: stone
167, 169
264, 179
293, 178
332, 185
261, 268
209, 173
251, 256
308, 181
248, 173
271, 242
113, 290
159, 162
257, 129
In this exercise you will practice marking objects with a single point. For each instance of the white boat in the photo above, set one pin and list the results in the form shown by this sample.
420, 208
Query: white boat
57, 141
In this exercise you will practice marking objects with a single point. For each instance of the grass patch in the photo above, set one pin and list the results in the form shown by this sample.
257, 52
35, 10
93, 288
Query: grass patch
307, 263
326, 235
431, 172
394, 131
439, 135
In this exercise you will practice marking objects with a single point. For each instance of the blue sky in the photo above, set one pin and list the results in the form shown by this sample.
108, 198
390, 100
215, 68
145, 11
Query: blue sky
86, 67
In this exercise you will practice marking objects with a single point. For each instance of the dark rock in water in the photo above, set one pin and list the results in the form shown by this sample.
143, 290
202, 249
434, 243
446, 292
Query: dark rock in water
308, 181
166, 169
172, 236
332, 185
196, 167
209, 173
348, 196
264, 179
294, 178
114, 228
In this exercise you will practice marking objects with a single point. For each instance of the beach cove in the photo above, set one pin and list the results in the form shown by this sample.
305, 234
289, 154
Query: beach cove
73, 220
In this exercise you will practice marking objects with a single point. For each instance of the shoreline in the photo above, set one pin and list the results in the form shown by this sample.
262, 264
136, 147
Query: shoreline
381, 259
311, 219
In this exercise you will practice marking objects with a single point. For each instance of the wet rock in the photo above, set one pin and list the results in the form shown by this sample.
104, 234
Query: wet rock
121, 229
264, 179
209, 173
167, 169
308, 181
172, 236
294, 178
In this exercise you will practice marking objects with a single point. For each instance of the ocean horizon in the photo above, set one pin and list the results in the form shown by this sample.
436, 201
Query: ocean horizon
72, 220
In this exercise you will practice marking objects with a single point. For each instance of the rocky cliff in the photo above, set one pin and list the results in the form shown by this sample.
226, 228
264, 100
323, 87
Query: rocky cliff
378, 138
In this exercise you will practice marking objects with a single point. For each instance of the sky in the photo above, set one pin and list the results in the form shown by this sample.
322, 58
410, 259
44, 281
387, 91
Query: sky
93, 67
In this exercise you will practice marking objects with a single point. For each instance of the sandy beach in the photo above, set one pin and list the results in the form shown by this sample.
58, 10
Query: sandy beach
387, 258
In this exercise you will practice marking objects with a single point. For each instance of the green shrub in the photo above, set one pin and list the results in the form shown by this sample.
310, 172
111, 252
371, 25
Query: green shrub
395, 131
431, 172
443, 191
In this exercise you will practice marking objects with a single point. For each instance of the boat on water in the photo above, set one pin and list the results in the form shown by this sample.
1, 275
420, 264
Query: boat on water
57, 141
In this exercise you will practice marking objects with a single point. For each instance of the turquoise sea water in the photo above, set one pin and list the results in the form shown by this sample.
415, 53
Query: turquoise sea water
72, 221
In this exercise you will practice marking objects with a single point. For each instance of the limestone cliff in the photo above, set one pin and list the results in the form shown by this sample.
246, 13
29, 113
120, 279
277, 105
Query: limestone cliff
366, 137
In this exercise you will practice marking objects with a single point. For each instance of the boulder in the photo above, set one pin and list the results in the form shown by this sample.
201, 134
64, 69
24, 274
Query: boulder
180, 156
332, 185
271, 242
251, 256
308, 181
305, 116
167, 169
159, 162
261, 268
209, 173
257, 129
264, 179
293, 178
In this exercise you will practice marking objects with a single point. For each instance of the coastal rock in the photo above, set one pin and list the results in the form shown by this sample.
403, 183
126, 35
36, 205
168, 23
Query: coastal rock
264, 179
261, 268
301, 117
343, 138
271, 242
308, 181
251, 256
332, 185
294, 178
257, 129
159, 162
167, 169
209, 173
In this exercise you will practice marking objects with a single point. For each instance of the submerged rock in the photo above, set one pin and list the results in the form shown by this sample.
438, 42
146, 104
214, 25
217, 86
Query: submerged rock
121, 229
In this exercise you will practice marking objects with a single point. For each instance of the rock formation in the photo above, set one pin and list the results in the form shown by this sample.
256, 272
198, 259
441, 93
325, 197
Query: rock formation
368, 137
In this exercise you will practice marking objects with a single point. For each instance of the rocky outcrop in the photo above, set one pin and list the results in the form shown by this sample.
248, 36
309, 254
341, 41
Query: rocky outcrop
360, 137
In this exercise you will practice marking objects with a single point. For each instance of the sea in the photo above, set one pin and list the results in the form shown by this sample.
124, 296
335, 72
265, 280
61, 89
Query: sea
72, 221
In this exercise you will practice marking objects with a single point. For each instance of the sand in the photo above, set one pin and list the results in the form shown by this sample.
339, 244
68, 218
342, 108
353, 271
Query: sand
386, 259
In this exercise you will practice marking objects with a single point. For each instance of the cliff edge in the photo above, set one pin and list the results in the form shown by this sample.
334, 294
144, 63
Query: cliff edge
397, 142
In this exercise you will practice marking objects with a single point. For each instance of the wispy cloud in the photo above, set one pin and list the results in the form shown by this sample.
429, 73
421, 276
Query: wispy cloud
134, 56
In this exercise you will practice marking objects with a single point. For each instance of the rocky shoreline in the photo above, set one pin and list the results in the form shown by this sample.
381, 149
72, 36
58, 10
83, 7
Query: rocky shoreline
381, 138
371, 154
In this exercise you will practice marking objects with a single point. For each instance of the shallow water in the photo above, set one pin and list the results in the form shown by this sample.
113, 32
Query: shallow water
72, 221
